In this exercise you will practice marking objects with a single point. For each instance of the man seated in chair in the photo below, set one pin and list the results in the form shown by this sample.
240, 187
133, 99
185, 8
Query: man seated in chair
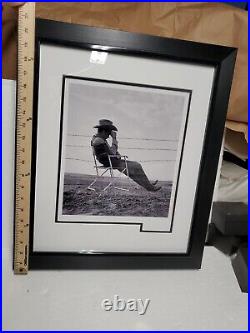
103, 150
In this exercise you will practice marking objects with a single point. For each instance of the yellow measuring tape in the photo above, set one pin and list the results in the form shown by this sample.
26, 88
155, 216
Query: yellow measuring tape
26, 37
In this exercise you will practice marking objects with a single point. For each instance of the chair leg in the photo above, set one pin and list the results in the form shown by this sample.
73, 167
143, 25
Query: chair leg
122, 189
112, 176
95, 180
105, 188
126, 167
90, 185
113, 180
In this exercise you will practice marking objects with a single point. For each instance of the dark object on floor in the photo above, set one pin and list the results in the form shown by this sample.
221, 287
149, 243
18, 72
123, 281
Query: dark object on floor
226, 244
242, 5
228, 232
230, 218
227, 156
240, 266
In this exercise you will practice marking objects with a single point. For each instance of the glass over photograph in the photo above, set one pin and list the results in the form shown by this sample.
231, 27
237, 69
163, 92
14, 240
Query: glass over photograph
120, 149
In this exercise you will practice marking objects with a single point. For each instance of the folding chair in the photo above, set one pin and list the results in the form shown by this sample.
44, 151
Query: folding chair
111, 171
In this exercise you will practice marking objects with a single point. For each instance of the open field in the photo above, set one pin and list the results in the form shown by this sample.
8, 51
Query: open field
78, 200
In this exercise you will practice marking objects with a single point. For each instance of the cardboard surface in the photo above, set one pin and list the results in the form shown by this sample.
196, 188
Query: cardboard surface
215, 23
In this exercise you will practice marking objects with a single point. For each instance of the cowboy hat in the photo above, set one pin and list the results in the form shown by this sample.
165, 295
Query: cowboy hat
106, 124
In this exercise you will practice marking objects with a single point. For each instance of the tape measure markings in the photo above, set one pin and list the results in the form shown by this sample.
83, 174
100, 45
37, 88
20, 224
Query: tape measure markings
25, 68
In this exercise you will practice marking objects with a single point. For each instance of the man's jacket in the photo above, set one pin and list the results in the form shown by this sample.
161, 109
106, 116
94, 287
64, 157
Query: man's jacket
102, 149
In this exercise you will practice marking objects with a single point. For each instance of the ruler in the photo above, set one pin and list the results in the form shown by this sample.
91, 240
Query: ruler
24, 112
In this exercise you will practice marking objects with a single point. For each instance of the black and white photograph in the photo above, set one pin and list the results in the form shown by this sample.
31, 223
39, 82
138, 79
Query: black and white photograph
120, 149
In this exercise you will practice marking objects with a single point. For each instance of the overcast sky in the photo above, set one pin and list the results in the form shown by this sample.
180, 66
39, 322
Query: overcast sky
137, 112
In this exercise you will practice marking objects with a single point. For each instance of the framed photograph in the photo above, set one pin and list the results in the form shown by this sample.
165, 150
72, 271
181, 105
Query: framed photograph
126, 141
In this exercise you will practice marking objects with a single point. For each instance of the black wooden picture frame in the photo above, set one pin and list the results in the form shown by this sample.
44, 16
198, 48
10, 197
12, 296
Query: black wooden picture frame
221, 58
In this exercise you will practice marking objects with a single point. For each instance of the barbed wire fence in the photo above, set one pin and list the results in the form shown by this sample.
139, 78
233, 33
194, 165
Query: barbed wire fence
125, 148
126, 138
